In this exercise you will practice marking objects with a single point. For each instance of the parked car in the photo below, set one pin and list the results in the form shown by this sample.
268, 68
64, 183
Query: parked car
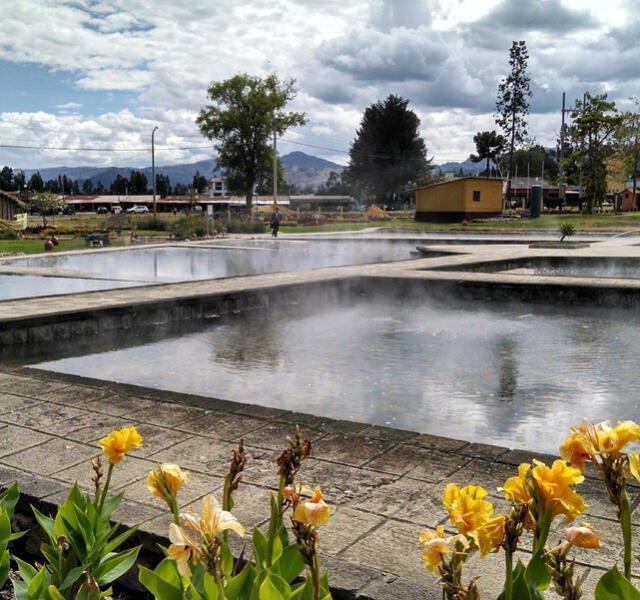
102, 210
138, 209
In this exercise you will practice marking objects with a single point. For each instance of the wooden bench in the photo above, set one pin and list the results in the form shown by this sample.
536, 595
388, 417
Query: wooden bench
97, 240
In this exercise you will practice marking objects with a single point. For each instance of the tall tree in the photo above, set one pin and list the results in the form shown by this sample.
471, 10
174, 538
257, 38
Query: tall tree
388, 152
137, 183
512, 105
6, 179
628, 142
35, 182
45, 203
489, 145
595, 121
87, 186
119, 186
163, 185
244, 113
199, 182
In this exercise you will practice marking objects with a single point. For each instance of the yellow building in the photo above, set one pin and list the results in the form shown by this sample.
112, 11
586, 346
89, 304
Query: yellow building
459, 199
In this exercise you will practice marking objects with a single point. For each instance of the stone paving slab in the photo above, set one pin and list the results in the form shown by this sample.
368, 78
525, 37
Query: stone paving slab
384, 485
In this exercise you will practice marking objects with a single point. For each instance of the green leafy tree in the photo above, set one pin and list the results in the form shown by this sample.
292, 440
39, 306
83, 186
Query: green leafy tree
45, 203
628, 142
334, 186
163, 185
35, 182
137, 183
512, 105
119, 186
388, 152
489, 146
533, 159
244, 113
199, 182
595, 122
87, 186
6, 179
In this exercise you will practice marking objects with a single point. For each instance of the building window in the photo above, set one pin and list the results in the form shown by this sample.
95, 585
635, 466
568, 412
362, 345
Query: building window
476, 196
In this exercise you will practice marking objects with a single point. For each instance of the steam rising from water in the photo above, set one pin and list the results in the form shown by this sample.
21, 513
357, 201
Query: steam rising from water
513, 377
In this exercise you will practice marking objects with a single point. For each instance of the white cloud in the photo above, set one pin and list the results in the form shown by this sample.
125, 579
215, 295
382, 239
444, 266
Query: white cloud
446, 56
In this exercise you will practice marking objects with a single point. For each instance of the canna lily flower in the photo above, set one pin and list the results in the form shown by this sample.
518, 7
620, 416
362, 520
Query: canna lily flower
119, 442
554, 485
515, 488
213, 521
314, 511
577, 450
183, 549
166, 481
490, 535
435, 548
584, 536
634, 465
467, 509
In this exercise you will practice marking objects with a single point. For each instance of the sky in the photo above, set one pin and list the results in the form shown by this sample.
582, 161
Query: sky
84, 82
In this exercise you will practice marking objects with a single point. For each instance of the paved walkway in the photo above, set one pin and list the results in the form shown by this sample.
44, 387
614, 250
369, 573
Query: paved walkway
385, 484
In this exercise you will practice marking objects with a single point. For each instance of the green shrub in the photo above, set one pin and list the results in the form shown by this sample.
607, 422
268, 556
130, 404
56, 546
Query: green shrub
245, 226
189, 226
151, 223
118, 222
9, 234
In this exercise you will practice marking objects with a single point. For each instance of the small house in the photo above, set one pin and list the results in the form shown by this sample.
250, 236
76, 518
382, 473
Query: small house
10, 206
629, 203
459, 199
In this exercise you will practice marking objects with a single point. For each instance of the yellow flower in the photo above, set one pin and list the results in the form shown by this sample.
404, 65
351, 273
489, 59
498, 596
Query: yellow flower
314, 511
116, 445
166, 481
490, 534
584, 536
634, 465
435, 547
576, 450
213, 521
466, 506
554, 485
626, 431
182, 549
515, 488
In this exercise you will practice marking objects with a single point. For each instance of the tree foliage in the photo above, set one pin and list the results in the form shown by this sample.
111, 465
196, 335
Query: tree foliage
388, 152
243, 114
489, 146
628, 144
512, 105
45, 203
595, 121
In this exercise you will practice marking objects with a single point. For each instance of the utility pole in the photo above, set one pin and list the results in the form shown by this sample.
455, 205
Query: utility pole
153, 170
275, 164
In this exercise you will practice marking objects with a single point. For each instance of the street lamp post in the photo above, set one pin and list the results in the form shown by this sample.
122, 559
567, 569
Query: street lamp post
153, 171
275, 164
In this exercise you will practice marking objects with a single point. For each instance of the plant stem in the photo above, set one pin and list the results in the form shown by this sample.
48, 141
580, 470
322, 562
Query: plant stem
315, 575
175, 511
508, 581
105, 489
625, 523
542, 531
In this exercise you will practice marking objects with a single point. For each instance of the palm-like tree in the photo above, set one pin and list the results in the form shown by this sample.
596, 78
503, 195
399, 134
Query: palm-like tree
489, 145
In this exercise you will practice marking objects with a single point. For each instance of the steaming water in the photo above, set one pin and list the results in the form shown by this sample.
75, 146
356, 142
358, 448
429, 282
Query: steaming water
501, 376
28, 286
179, 264
584, 269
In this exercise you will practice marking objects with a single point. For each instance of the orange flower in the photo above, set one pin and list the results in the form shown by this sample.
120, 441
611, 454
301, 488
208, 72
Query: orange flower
575, 449
435, 548
166, 481
515, 488
489, 535
554, 485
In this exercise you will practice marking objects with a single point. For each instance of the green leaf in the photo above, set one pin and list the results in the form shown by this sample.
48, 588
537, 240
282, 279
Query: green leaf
9, 499
111, 505
161, 589
72, 576
116, 565
47, 523
276, 549
236, 585
4, 567
54, 594
38, 584
291, 564
268, 591
227, 559
27, 572
5, 530
536, 573
260, 548
613, 585
210, 587
20, 589
121, 539
168, 570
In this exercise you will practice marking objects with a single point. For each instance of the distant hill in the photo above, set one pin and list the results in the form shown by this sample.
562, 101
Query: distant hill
468, 167
300, 169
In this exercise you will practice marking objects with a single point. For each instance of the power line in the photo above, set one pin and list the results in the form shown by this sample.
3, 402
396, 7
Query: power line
69, 149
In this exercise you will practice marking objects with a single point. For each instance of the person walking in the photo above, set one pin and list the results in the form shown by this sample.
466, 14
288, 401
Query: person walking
276, 217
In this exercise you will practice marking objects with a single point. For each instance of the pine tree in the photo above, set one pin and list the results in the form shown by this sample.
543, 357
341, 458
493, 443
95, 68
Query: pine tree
388, 152
512, 105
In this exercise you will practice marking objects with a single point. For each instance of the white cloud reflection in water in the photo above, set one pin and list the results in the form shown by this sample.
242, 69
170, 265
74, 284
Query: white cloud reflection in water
505, 376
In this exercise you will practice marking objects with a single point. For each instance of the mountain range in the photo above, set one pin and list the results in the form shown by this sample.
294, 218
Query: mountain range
300, 169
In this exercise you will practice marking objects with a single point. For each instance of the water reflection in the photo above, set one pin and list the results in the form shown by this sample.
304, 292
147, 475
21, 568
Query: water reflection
509, 377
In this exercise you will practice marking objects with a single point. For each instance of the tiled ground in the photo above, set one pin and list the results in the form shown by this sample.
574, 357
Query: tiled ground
385, 485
